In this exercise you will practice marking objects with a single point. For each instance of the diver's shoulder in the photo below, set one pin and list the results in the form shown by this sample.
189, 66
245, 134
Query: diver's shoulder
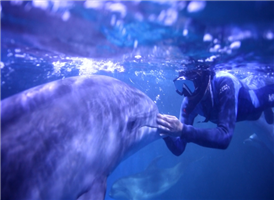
224, 75
221, 74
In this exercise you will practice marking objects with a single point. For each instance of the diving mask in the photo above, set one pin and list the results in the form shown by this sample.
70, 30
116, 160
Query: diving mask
183, 86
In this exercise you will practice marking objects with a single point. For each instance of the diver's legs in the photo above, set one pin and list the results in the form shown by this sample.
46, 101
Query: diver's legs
266, 99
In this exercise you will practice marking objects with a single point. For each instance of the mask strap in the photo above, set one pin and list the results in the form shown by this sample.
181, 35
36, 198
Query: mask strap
211, 93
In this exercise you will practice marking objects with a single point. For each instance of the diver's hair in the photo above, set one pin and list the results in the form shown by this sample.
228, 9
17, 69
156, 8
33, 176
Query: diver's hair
192, 74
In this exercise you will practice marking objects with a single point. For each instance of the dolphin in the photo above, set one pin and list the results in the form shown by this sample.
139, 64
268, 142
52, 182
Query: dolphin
147, 184
62, 139
264, 138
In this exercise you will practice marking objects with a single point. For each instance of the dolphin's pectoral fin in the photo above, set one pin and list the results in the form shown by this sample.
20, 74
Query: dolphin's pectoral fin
97, 190
153, 164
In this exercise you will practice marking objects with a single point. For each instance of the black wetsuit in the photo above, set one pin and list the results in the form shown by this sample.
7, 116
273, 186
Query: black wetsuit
226, 102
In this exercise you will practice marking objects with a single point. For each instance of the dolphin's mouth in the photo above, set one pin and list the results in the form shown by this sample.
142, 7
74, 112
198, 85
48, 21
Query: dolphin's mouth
138, 120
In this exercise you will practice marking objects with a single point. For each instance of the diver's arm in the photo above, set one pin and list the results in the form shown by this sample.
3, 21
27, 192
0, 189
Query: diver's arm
172, 126
220, 136
176, 145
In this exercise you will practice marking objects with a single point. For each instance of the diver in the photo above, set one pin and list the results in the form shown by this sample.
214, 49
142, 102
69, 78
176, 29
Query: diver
222, 99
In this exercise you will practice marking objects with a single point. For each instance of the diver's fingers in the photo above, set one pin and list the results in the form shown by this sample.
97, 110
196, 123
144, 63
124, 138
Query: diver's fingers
167, 133
163, 135
163, 128
168, 118
163, 122
160, 116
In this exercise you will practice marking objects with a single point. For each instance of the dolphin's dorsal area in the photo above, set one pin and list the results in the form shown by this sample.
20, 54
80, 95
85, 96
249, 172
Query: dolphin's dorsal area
61, 140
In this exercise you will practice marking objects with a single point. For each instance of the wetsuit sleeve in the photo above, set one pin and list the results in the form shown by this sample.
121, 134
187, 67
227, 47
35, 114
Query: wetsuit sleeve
220, 136
177, 145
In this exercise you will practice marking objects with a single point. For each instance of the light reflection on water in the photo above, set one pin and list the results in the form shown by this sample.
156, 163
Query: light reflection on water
58, 39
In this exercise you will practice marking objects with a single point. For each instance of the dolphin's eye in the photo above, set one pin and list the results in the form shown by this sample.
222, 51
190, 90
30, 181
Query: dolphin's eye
131, 124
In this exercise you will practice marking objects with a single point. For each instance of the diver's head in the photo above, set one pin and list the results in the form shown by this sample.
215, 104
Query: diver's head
193, 83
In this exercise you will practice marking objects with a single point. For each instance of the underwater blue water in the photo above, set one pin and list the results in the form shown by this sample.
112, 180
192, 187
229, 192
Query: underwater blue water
144, 43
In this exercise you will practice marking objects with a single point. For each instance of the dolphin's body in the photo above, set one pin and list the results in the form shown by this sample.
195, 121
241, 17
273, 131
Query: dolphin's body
61, 140
147, 184
264, 136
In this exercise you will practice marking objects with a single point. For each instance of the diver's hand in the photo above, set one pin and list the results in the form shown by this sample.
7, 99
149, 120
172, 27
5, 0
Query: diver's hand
169, 125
